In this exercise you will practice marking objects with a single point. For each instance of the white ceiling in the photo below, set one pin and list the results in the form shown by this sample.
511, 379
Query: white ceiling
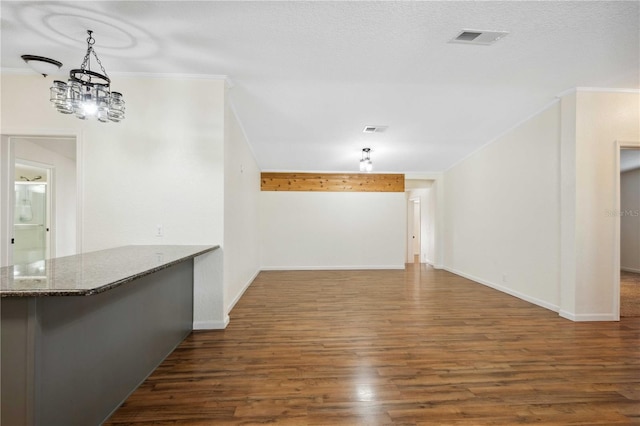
308, 76
60, 145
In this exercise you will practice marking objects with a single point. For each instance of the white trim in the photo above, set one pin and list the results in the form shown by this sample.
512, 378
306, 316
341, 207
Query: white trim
211, 325
433, 176
171, 76
42, 133
24, 71
634, 270
595, 89
587, 317
244, 288
335, 172
618, 145
79, 192
331, 268
8, 164
509, 291
180, 76
229, 83
506, 132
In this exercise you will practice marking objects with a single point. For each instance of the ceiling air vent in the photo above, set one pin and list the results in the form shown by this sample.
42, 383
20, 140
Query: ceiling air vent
374, 129
478, 37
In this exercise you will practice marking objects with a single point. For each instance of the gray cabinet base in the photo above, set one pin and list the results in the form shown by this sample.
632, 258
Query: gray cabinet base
72, 360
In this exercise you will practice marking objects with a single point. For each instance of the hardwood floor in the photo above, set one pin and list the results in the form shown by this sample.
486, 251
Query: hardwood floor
414, 347
629, 294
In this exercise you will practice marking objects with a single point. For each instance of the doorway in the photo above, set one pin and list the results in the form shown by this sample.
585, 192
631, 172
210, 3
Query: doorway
31, 241
415, 231
420, 239
39, 192
629, 231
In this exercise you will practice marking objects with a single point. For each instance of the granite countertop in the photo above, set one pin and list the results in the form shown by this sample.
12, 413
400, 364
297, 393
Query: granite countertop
92, 273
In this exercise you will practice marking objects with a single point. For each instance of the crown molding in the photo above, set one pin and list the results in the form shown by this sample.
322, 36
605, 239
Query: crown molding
595, 89
180, 76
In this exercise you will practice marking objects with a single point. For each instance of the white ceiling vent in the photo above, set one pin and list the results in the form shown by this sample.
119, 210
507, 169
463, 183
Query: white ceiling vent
478, 37
374, 129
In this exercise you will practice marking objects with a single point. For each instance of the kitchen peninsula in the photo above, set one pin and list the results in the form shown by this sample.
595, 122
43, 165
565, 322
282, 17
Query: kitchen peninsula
80, 333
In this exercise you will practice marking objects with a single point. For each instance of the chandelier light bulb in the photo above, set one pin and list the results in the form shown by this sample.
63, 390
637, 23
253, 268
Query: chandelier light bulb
89, 108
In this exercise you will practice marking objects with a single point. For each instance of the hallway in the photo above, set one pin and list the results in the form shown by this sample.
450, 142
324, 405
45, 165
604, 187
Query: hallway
629, 294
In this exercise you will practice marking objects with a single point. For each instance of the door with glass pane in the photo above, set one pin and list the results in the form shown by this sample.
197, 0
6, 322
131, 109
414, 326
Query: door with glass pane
30, 233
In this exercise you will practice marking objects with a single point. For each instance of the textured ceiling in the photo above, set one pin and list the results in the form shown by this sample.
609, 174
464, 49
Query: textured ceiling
308, 76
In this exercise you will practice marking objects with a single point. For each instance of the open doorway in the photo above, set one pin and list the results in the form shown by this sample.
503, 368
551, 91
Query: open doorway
416, 230
39, 198
32, 221
629, 231
420, 221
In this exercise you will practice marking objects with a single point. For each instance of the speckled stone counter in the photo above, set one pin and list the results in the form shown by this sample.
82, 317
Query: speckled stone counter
80, 333
92, 273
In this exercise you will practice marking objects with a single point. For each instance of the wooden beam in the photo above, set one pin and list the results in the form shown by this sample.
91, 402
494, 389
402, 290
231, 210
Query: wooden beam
332, 182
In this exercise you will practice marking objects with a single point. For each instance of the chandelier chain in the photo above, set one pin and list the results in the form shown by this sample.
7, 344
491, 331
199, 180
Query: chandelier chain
86, 62
99, 63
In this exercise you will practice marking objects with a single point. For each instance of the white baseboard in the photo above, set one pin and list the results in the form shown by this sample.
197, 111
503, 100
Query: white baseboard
587, 317
330, 268
525, 297
211, 325
244, 288
635, 270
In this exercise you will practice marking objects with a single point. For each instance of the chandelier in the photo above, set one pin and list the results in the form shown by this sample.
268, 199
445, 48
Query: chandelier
87, 93
365, 163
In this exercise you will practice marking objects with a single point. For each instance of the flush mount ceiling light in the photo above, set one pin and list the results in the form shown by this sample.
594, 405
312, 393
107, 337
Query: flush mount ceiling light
88, 93
365, 163
42, 65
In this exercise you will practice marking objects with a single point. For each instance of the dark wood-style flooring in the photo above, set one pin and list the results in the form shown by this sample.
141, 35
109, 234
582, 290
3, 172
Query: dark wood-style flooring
414, 347
629, 294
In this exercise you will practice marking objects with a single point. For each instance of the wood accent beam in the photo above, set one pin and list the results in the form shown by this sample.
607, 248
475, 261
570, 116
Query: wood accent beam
332, 182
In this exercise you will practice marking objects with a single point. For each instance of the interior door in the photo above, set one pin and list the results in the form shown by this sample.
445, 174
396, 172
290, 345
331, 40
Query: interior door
30, 227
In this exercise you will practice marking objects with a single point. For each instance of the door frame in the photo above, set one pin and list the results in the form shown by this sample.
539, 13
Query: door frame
619, 145
7, 156
417, 208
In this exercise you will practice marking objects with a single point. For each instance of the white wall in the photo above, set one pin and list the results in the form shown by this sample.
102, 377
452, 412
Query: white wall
429, 235
332, 230
568, 206
600, 119
241, 209
630, 221
163, 165
528, 213
502, 212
